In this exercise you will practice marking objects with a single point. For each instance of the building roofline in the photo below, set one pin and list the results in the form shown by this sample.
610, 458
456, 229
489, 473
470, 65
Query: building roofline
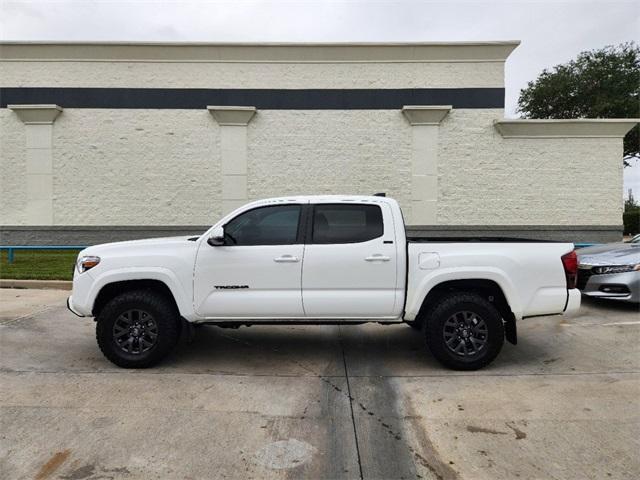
347, 52
260, 44
565, 128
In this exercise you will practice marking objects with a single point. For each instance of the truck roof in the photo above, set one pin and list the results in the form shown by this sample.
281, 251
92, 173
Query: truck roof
324, 199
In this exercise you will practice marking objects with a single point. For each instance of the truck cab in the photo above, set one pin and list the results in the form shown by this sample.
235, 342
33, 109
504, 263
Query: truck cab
316, 259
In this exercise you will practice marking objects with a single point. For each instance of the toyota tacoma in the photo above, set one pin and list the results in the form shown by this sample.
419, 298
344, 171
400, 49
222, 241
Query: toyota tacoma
321, 260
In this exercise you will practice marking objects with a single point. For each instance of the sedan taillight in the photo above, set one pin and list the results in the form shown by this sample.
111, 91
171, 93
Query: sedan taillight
570, 264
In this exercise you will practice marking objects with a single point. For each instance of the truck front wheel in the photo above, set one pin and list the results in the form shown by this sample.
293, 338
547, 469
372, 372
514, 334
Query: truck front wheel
464, 331
137, 329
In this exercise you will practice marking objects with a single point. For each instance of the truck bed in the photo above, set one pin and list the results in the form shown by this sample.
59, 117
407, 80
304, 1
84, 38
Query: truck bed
418, 239
529, 272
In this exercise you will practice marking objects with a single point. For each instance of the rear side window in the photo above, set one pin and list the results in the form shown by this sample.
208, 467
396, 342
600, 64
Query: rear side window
346, 223
277, 225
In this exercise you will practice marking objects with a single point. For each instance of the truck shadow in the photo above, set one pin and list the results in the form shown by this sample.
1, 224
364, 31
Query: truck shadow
363, 350
312, 349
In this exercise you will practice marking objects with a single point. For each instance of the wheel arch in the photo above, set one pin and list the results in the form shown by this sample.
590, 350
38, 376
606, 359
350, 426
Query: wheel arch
488, 289
112, 289
159, 279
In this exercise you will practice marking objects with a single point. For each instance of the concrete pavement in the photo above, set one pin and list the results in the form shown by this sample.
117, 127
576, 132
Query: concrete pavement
318, 402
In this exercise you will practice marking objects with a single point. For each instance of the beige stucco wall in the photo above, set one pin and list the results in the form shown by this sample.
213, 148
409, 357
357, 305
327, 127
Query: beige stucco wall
446, 166
305, 152
252, 75
120, 167
474, 64
145, 167
13, 169
487, 179
162, 167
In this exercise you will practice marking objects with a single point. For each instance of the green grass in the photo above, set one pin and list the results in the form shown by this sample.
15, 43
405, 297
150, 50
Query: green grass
38, 264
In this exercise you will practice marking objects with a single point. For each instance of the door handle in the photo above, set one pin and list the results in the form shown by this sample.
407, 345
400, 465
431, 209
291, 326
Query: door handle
377, 257
286, 259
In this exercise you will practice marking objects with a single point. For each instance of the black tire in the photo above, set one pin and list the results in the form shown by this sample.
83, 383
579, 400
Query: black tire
416, 325
162, 336
484, 323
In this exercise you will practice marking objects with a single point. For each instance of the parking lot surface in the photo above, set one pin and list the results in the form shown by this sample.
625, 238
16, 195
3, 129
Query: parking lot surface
329, 402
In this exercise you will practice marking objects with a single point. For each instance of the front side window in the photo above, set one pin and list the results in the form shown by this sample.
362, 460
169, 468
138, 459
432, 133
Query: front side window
277, 225
346, 223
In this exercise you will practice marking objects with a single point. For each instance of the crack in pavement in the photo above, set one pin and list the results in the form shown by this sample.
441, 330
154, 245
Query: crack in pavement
353, 419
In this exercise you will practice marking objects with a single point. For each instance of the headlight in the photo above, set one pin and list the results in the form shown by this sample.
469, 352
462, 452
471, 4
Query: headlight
615, 269
87, 263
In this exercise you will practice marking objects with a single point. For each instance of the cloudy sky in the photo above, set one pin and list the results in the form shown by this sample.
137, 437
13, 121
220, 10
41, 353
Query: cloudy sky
551, 31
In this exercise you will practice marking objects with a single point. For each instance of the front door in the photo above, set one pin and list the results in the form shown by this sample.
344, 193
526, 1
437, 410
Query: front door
350, 262
257, 273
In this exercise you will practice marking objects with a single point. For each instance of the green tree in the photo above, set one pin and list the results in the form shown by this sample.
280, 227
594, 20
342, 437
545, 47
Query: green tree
601, 83
631, 215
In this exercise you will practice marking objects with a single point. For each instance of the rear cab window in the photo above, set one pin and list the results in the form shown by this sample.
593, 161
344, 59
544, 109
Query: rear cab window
346, 223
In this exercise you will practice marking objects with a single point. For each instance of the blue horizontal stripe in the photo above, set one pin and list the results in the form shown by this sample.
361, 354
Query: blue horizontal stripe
267, 99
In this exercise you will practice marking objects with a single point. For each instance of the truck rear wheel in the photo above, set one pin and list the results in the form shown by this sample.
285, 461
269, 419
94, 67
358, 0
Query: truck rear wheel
137, 329
464, 331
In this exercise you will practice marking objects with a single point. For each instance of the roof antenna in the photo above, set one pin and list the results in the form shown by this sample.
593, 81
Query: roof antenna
380, 194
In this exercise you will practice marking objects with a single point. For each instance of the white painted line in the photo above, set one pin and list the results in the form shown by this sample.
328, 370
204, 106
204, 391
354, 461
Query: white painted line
612, 324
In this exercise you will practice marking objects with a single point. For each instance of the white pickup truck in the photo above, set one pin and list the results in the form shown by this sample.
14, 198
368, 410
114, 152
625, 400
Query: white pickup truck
320, 259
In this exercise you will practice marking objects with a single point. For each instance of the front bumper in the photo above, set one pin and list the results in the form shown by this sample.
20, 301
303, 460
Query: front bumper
623, 287
71, 307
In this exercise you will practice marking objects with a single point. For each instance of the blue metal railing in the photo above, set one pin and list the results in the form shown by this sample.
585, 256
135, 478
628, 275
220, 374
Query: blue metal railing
12, 248
583, 245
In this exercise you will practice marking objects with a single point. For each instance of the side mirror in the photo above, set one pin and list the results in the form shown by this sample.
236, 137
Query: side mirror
216, 239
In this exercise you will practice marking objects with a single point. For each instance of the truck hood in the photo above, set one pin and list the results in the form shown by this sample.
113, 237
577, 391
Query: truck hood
138, 245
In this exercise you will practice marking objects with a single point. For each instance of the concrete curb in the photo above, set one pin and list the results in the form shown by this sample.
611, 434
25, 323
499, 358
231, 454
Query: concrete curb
37, 284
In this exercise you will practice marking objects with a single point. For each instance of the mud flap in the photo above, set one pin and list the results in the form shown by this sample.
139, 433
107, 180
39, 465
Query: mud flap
510, 331
188, 331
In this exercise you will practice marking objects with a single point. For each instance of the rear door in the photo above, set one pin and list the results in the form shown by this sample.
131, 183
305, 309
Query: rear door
350, 261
